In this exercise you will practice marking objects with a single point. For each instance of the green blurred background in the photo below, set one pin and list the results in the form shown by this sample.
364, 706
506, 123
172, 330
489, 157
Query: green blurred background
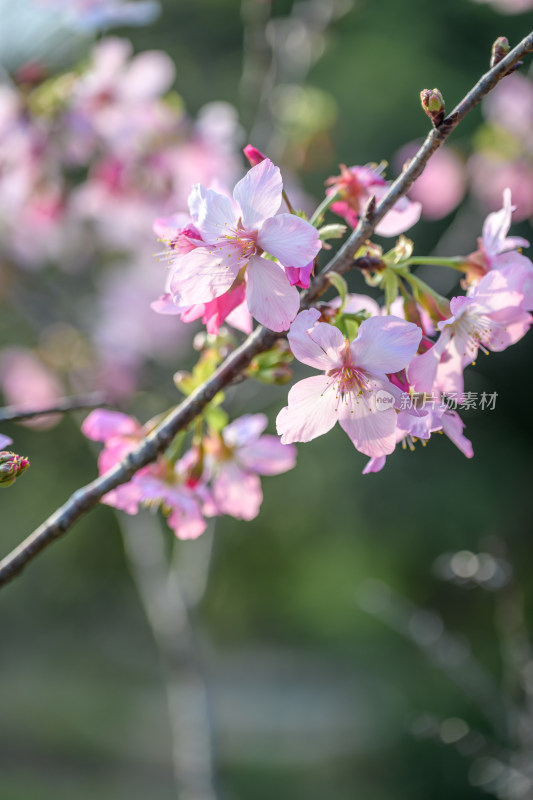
311, 696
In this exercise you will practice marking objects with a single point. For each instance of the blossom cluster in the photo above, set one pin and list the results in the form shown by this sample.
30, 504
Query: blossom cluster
389, 374
218, 475
88, 158
420, 351
366, 379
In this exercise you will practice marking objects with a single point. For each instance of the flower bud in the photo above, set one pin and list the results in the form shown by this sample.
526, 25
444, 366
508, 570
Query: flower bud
500, 48
369, 263
11, 466
433, 105
253, 155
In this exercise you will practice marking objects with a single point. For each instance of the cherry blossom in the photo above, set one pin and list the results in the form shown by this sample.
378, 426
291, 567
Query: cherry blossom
498, 251
491, 318
236, 233
355, 389
159, 484
356, 186
238, 457
442, 185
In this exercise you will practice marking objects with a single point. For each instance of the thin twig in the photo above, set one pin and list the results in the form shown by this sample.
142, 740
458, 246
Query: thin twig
260, 340
78, 403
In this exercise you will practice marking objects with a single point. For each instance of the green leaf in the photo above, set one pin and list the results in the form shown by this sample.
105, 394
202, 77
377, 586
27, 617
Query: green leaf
216, 418
332, 232
390, 285
340, 285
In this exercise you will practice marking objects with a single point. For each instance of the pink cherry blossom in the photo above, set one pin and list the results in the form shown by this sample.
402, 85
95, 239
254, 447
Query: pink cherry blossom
121, 434
411, 428
491, 318
236, 232
491, 174
357, 185
230, 307
498, 251
442, 185
238, 457
117, 100
28, 383
354, 386
510, 104
159, 483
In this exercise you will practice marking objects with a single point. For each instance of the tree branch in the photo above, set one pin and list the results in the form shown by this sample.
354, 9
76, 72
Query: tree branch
79, 403
260, 340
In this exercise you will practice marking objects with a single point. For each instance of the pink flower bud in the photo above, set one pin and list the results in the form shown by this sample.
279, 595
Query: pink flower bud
253, 155
11, 466
500, 48
433, 105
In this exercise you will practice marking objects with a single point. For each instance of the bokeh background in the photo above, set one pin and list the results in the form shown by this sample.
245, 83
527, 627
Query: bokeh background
351, 639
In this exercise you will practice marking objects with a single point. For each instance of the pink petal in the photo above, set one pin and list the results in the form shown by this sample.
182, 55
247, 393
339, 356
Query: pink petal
259, 193
116, 448
452, 425
303, 347
514, 330
202, 275
165, 227
496, 227
385, 344
361, 302
237, 493
186, 525
311, 410
4, 441
518, 272
494, 293
214, 215
271, 299
244, 430
375, 465
373, 432
126, 498
216, 311
101, 424
293, 241
267, 456
422, 370
449, 376
241, 319
185, 519
150, 74
331, 342
300, 276
165, 305
403, 215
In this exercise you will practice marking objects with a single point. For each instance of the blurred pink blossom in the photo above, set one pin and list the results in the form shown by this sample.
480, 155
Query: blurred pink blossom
490, 175
442, 185
27, 383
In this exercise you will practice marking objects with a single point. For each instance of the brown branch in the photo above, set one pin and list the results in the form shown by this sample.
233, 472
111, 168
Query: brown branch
342, 260
260, 340
78, 403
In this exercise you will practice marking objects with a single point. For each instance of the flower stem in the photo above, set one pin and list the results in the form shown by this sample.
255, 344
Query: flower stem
453, 263
288, 202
